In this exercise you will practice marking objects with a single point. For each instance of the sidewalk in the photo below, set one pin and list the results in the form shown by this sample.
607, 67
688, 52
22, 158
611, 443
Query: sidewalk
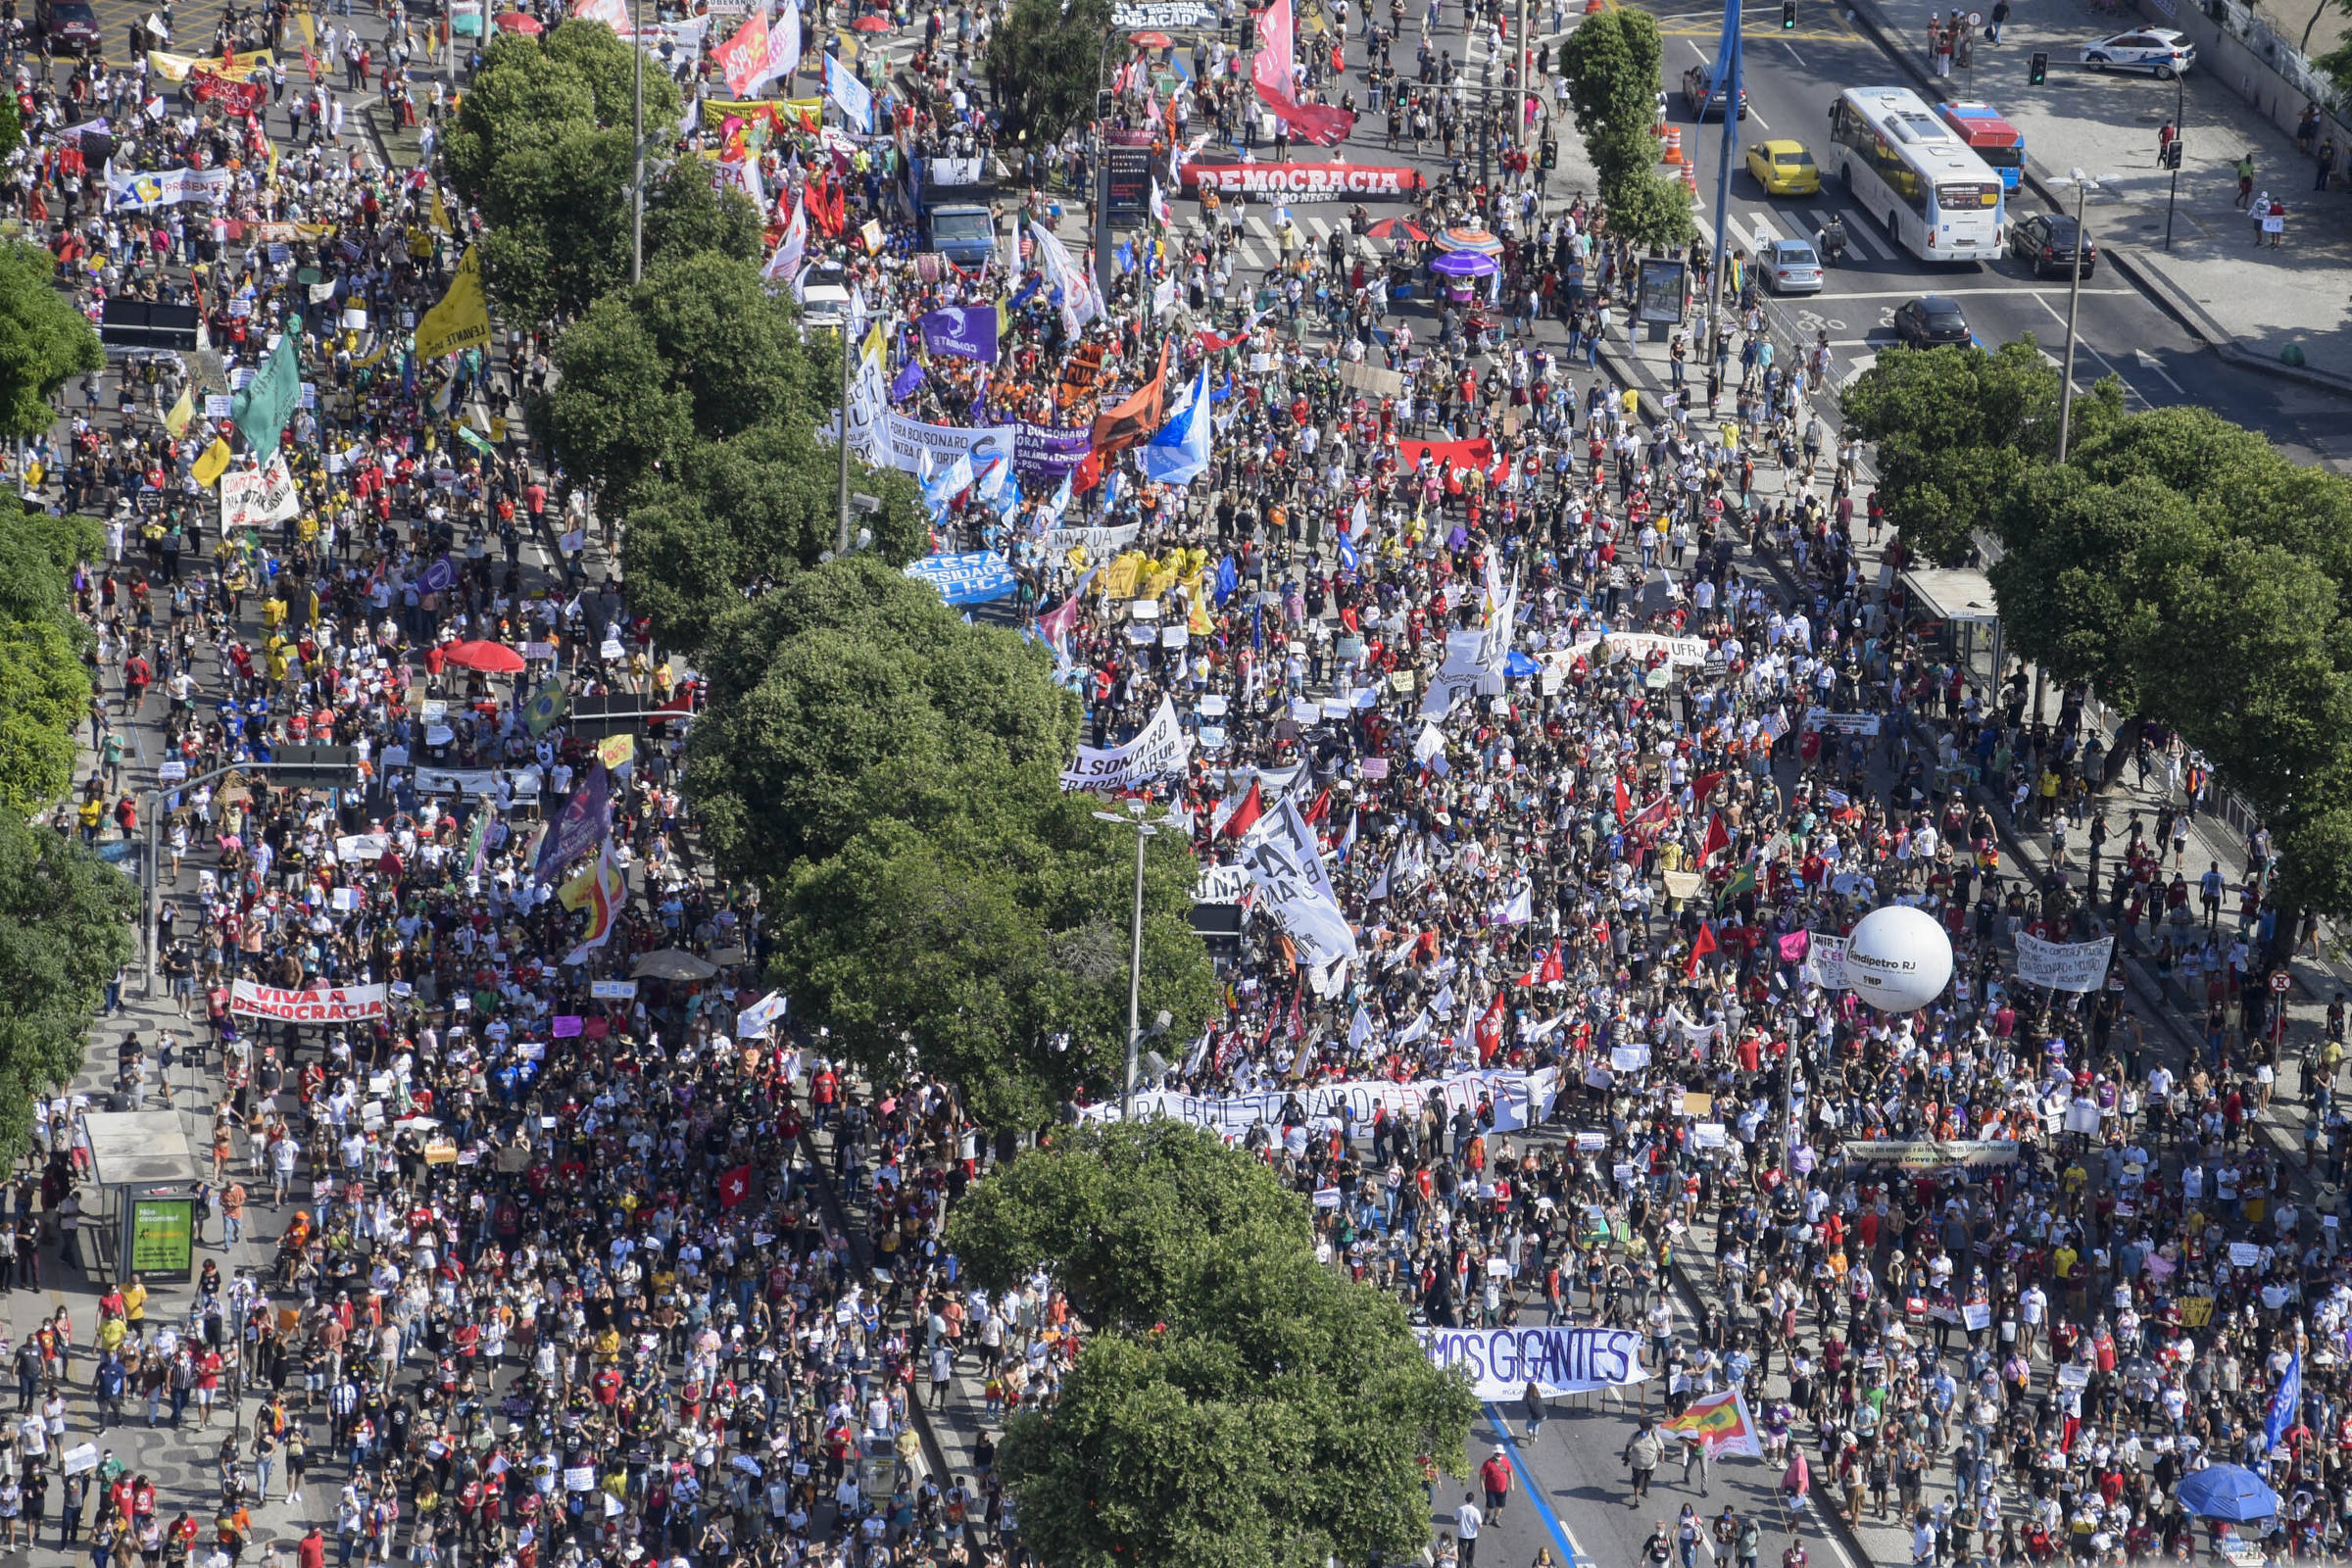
2251, 305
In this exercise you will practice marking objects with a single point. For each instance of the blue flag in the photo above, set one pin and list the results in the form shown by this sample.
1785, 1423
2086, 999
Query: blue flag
966, 331
908, 380
1348, 557
2285, 1403
1229, 578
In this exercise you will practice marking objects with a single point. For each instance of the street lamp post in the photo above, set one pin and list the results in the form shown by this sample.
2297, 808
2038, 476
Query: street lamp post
2176, 154
1134, 818
2084, 186
637, 134
1727, 76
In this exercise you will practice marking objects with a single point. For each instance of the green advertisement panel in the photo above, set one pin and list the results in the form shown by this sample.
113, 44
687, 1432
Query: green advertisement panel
162, 1236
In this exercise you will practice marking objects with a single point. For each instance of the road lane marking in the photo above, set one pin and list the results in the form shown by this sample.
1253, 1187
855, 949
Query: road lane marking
2157, 364
1792, 54
1560, 1537
1962, 288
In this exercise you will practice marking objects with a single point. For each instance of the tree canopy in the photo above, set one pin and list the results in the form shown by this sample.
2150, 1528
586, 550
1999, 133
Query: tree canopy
1611, 62
1045, 61
1239, 1404
542, 145
43, 340
2178, 564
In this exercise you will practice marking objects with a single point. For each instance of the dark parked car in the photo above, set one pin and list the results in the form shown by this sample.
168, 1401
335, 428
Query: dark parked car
1703, 98
1925, 323
2046, 242
71, 25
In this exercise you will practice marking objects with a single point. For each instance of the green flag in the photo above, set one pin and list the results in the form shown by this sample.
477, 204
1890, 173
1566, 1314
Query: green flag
260, 410
547, 705
1743, 880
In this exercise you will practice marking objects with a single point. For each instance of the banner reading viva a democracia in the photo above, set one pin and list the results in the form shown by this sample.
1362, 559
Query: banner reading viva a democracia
318, 1004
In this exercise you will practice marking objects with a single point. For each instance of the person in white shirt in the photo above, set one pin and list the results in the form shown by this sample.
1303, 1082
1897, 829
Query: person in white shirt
1468, 1521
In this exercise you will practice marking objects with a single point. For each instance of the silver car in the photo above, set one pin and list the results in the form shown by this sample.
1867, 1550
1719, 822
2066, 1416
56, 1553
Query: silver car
1791, 267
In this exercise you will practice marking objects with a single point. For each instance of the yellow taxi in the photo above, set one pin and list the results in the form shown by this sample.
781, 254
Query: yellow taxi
1784, 169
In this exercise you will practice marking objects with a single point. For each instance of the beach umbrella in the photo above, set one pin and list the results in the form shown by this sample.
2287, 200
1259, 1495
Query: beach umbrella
1397, 229
2227, 1492
870, 22
1150, 40
673, 964
519, 21
1465, 263
491, 659
1470, 239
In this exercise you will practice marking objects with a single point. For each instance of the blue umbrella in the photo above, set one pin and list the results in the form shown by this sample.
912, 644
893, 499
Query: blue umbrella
1463, 264
2227, 1492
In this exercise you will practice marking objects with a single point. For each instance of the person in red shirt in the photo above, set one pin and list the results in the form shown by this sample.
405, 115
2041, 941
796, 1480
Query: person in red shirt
208, 1383
310, 1551
1496, 1477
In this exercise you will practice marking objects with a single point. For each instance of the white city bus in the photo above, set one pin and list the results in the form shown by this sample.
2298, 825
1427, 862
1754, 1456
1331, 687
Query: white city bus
1909, 170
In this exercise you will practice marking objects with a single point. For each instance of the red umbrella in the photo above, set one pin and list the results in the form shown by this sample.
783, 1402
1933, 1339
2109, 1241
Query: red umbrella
1394, 227
1150, 40
519, 21
491, 659
871, 24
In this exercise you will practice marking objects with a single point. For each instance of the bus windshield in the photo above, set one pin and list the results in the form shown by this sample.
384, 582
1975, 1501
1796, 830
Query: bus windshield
2012, 156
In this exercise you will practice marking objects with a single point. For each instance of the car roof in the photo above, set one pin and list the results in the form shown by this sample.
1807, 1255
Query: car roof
1937, 304
1793, 245
1779, 144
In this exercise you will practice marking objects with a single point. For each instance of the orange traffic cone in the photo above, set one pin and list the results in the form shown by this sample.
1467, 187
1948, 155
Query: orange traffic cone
1594, 7
1691, 178
1674, 144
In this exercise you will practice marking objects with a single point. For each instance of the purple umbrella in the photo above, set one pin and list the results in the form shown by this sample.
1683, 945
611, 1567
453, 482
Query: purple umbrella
1463, 264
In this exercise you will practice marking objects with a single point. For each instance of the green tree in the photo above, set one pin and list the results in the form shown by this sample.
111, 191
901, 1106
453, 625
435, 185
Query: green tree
542, 145
64, 931
43, 694
12, 125
43, 340
686, 215
835, 672
1957, 430
2082, 571
1046, 61
1122, 1215
1650, 209
1612, 65
1270, 1413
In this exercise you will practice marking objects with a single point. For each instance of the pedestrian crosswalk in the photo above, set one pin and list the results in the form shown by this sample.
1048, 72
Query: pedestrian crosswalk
1260, 247
1862, 241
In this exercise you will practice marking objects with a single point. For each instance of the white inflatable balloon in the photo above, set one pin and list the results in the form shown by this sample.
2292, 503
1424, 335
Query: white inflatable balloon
1898, 959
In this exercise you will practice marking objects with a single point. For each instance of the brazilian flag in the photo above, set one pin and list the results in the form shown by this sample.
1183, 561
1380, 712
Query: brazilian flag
546, 706
1742, 881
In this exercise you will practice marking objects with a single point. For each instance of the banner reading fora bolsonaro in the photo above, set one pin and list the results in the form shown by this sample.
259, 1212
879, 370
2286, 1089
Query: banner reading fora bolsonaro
1502, 1362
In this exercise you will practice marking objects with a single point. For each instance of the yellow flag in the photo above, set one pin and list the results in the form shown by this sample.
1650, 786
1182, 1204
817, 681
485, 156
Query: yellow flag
213, 463
440, 213
182, 413
616, 751
574, 894
462, 321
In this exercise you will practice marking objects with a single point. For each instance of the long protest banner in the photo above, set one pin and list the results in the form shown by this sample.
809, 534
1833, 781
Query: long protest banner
1930, 1154
2063, 965
1158, 748
168, 187
318, 1004
1502, 1362
1312, 182
1520, 1099
972, 579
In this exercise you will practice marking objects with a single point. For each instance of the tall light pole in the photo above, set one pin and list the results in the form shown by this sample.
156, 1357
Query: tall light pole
637, 135
2176, 154
1727, 75
1135, 951
2084, 186
848, 323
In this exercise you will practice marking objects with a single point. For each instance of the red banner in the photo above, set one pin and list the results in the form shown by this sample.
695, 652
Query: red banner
238, 97
1327, 182
1447, 454
1319, 124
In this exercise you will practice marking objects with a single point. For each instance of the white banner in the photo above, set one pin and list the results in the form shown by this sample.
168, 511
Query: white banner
166, 187
1502, 1362
318, 1004
1645, 645
475, 781
1221, 884
1825, 963
1163, 16
2063, 965
363, 846
250, 499
1098, 543
1520, 1100
1158, 748
1821, 718
1281, 854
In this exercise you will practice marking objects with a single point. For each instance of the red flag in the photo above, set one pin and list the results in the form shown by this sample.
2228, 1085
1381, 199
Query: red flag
1625, 802
734, 1186
1700, 945
1718, 836
1704, 786
1314, 813
1088, 473
1296, 1024
1244, 816
1554, 970
1138, 414
1490, 1031
1318, 124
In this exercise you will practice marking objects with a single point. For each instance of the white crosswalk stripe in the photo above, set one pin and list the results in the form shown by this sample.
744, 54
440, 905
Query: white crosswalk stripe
1859, 237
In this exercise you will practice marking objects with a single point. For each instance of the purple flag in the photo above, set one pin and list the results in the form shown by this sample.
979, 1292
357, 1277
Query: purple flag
967, 332
908, 379
587, 818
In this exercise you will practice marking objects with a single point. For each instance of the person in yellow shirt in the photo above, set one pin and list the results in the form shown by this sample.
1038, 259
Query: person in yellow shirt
134, 1303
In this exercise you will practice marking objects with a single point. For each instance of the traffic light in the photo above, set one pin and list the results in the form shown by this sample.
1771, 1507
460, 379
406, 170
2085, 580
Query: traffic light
2038, 70
2173, 153
313, 767
1787, 16
1552, 153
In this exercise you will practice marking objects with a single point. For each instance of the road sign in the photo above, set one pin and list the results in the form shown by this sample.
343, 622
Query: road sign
2282, 982
1976, 18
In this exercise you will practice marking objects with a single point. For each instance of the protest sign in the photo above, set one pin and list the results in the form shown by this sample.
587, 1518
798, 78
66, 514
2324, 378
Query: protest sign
971, 578
1158, 748
2063, 965
1502, 1362
318, 1004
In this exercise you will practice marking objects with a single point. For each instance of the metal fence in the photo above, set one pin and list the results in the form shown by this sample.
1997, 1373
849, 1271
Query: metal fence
2280, 55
